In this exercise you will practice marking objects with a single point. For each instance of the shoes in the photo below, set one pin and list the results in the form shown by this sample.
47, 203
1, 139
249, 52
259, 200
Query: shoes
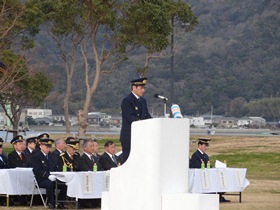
61, 206
222, 199
51, 206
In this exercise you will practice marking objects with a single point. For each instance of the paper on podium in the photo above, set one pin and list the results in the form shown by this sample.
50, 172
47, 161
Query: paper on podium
219, 164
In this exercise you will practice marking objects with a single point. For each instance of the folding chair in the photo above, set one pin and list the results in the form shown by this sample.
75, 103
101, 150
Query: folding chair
41, 191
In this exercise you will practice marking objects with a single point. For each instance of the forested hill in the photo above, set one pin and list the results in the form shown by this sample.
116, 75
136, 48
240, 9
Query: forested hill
233, 52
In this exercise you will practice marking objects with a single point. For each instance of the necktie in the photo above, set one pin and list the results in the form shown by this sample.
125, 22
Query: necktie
20, 156
71, 157
47, 157
91, 157
114, 159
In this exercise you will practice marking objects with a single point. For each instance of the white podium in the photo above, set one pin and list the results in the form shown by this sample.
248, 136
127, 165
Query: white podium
155, 176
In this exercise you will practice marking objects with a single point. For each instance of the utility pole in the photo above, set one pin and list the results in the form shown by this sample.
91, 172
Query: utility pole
172, 62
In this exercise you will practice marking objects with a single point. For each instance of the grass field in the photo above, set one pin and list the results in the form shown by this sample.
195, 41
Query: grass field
261, 157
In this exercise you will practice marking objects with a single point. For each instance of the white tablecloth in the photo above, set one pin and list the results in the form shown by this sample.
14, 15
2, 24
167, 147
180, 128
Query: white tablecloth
217, 180
18, 181
75, 182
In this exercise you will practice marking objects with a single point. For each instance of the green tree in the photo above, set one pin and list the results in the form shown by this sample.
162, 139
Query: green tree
29, 90
268, 108
64, 23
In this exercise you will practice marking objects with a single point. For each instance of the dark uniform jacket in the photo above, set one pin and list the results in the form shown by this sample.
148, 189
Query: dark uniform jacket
28, 156
55, 154
85, 163
42, 166
96, 158
196, 158
3, 162
72, 164
15, 161
106, 162
132, 110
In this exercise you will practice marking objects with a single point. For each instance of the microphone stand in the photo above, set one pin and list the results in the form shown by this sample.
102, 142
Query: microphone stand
164, 108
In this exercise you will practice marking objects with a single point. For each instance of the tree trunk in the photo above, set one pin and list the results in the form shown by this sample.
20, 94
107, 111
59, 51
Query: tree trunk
66, 105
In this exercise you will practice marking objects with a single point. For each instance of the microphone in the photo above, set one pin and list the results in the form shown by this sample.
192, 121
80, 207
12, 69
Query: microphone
161, 97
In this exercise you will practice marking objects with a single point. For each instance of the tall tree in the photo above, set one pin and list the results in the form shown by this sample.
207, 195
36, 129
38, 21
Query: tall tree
116, 27
29, 90
63, 22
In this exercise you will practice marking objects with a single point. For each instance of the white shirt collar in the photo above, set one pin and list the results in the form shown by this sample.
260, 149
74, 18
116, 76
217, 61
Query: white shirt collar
136, 95
200, 151
89, 155
111, 156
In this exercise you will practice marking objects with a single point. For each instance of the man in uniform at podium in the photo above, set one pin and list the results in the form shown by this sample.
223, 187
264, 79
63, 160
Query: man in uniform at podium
134, 108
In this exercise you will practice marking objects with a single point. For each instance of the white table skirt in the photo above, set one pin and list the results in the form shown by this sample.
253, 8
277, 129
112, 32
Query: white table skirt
75, 183
18, 181
217, 180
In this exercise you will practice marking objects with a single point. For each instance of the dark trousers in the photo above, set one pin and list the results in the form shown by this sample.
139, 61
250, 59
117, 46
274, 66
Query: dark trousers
125, 150
49, 186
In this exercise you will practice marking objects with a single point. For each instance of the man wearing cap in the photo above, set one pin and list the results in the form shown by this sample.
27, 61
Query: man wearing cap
69, 158
134, 108
3, 158
17, 158
31, 144
199, 155
43, 164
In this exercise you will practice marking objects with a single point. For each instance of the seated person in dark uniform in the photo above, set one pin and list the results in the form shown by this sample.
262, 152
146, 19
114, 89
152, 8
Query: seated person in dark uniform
3, 158
108, 159
200, 156
3, 165
87, 161
59, 149
38, 143
31, 144
96, 156
43, 164
17, 158
69, 158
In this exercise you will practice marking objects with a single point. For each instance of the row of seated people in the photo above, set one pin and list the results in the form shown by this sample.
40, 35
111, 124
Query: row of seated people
43, 161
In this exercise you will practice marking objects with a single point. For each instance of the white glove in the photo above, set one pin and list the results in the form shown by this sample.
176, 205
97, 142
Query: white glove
52, 177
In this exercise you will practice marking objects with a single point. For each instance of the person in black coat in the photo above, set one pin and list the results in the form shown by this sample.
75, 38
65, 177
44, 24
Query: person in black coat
134, 108
69, 158
59, 149
17, 158
3, 158
108, 159
31, 145
43, 164
86, 161
96, 156
199, 155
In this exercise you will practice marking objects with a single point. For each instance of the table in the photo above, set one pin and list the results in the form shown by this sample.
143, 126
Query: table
17, 181
218, 180
84, 185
